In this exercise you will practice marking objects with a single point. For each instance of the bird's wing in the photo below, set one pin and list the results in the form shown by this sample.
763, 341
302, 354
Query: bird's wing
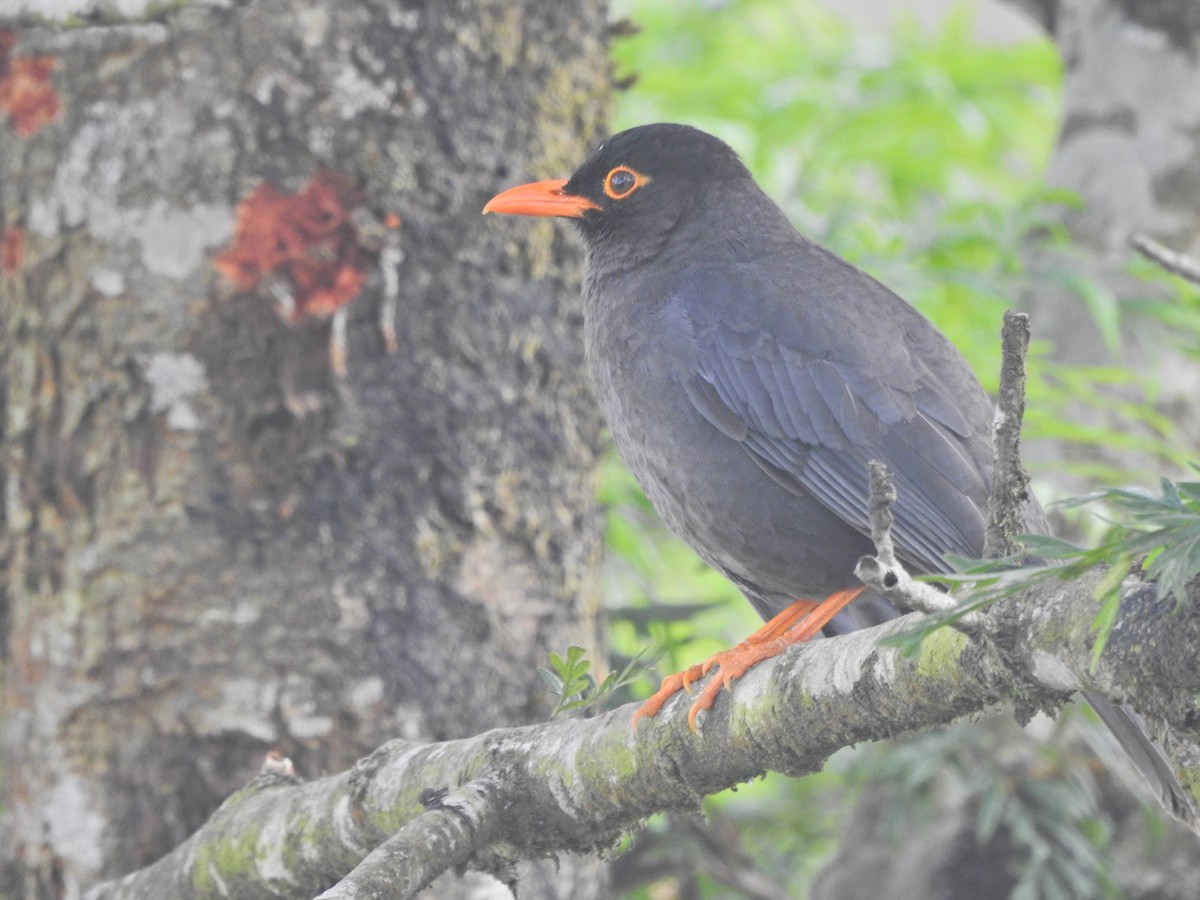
812, 412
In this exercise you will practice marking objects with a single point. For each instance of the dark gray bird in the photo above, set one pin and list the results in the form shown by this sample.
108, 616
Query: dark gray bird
748, 375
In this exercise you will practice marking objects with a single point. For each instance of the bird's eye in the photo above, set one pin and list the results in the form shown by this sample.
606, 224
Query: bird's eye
623, 181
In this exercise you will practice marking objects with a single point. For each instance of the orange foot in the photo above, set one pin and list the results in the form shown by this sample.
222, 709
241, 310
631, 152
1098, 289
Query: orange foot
797, 623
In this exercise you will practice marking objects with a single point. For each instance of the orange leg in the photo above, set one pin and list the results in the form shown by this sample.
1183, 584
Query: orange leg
798, 622
672, 684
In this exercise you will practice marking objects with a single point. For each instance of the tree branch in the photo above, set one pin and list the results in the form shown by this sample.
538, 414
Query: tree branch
1176, 263
577, 785
452, 829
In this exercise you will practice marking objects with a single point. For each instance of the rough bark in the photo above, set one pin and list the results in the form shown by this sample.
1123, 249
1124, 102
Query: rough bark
1127, 143
576, 785
216, 544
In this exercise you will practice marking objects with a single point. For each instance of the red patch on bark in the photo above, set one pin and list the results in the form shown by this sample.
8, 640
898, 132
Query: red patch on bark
305, 238
12, 250
26, 92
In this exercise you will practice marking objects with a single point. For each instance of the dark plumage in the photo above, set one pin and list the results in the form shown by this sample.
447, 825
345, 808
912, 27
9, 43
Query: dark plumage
748, 375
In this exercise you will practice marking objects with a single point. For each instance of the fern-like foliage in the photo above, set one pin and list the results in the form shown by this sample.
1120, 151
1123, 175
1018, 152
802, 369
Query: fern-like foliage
1158, 534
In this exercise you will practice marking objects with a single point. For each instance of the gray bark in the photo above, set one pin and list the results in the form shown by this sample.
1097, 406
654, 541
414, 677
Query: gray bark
215, 544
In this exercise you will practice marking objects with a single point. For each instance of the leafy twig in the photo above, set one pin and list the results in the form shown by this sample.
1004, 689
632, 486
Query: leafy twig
1163, 533
570, 679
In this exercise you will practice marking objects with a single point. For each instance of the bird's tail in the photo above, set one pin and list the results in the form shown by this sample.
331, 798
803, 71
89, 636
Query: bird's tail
1131, 733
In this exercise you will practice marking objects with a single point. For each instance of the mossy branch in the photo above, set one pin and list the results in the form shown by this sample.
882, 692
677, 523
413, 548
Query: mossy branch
577, 785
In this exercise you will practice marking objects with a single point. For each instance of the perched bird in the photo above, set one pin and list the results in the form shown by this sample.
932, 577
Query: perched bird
748, 375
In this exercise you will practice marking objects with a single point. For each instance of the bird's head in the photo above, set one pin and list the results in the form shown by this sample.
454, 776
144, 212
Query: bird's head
629, 195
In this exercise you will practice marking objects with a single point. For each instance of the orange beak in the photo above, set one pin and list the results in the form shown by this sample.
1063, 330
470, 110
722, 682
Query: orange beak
541, 198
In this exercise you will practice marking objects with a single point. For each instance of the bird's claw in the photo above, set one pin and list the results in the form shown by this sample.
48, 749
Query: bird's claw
671, 685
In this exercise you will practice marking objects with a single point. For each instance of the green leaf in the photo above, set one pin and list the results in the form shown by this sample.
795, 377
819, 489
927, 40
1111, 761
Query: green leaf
1048, 546
574, 686
575, 654
553, 681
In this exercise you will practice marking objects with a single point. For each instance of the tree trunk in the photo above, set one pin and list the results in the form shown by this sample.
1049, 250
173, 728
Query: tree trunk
1128, 143
230, 525
1129, 147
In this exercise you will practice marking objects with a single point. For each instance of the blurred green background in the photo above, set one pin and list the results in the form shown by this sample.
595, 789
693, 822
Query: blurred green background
917, 153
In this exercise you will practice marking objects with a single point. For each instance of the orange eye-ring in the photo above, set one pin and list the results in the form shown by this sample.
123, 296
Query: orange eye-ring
623, 181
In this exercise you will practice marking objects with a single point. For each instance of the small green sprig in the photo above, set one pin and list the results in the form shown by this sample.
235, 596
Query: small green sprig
569, 678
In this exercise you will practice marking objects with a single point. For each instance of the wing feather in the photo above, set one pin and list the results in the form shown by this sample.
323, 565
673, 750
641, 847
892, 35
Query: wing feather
814, 423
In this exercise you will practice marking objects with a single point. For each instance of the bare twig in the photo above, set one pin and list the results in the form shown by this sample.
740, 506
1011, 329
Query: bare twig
879, 511
1009, 491
883, 571
1171, 260
908, 594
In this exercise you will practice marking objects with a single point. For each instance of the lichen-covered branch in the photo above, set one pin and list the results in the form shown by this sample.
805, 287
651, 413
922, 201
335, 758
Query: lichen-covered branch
452, 828
1009, 490
577, 785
